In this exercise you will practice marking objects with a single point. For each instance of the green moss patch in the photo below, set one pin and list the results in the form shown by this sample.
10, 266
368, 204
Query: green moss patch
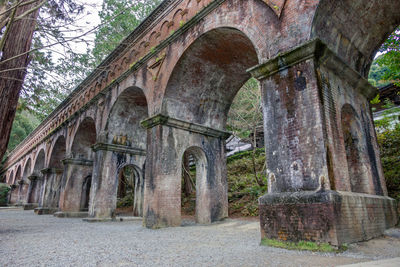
302, 245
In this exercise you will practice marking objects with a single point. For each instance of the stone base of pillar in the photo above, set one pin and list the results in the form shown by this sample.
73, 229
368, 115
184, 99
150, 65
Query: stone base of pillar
44, 211
115, 219
71, 214
30, 206
333, 217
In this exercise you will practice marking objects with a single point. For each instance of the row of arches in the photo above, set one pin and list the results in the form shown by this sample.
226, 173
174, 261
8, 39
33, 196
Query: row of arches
198, 91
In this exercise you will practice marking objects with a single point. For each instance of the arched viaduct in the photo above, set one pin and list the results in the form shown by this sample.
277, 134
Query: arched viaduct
167, 88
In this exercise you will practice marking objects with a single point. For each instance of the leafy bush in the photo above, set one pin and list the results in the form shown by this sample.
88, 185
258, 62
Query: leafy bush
389, 144
126, 201
4, 189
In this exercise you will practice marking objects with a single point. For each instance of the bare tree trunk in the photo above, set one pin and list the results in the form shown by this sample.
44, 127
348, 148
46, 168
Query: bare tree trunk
18, 41
187, 180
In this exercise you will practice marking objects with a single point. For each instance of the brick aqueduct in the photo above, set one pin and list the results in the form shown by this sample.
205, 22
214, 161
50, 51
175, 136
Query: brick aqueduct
167, 89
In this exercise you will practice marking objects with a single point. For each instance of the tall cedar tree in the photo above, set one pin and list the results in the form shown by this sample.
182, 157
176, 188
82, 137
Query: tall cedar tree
14, 60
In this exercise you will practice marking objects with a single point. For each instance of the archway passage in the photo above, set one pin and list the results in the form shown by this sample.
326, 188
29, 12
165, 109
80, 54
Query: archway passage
24, 185
53, 176
36, 179
84, 138
130, 191
124, 145
76, 184
14, 194
208, 76
194, 113
123, 124
351, 128
195, 194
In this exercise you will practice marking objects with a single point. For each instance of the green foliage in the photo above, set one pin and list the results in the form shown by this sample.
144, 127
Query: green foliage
24, 123
4, 189
245, 113
389, 144
376, 75
126, 201
390, 117
243, 190
302, 245
119, 18
387, 66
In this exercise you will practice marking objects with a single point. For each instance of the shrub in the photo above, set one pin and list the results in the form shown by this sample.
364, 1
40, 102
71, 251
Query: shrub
389, 144
4, 189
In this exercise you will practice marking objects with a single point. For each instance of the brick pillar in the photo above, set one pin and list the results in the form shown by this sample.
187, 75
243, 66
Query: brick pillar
76, 170
22, 192
168, 139
52, 188
109, 159
303, 92
34, 188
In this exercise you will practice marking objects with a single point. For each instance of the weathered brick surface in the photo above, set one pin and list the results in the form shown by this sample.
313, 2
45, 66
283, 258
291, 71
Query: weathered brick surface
186, 63
332, 217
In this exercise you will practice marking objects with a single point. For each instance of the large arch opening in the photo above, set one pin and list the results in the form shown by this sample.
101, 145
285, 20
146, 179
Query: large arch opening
18, 174
54, 174
130, 191
126, 142
58, 153
37, 178
194, 202
201, 90
351, 129
208, 76
84, 138
77, 179
123, 124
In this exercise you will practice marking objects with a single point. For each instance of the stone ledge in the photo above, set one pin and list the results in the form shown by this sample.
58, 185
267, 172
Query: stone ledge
116, 219
119, 149
71, 214
161, 119
74, 161
318, 51
30, 206
334, 217
44, 211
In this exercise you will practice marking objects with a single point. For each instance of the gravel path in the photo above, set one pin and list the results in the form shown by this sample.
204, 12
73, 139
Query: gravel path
27, 239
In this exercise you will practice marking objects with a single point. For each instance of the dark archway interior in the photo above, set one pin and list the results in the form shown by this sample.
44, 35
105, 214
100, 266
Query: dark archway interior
208, 76
27, 170
11, 178
85, 137
129, 192
188, 198
123, 125
352, 141
17, 175
85, 196
58, 153
39, 163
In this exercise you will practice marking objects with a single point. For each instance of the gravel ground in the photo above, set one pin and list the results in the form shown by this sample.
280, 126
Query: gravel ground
27, 239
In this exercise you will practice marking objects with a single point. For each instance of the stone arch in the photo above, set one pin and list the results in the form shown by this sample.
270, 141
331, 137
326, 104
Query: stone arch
27, 169
83, 139
354, 148
57, 153
40, 161
11, 177
18, 174
371, 23
202, 210
137, 183
208, 75
128, 110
